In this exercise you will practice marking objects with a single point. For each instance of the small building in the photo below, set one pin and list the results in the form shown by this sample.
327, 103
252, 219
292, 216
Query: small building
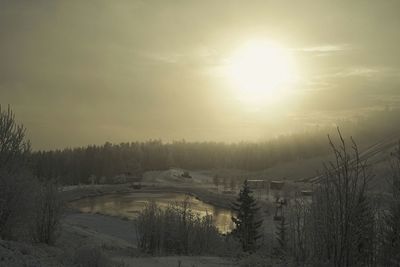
307, 193
276, 185
259, 187
257, 184
275, 189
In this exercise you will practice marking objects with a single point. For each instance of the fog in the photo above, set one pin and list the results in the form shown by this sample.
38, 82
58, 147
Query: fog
78, 73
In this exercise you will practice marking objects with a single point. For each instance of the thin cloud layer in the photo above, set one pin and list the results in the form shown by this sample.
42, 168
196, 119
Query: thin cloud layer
94, 71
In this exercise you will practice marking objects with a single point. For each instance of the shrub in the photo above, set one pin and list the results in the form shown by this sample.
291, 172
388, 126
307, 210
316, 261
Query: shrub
15, 183
17, 198
48, 211
176, 230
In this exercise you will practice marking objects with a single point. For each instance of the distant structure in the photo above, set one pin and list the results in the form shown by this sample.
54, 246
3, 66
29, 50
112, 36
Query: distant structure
307, 193
257, 184
259, 187
275, 188
275, 193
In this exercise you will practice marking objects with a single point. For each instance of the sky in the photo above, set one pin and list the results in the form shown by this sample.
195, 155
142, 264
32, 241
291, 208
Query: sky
87, 72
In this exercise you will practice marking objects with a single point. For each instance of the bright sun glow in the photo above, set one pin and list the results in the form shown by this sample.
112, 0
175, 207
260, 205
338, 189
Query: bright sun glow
261, 72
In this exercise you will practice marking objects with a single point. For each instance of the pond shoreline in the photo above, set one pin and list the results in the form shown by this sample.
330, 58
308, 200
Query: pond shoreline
75, 193
127, 205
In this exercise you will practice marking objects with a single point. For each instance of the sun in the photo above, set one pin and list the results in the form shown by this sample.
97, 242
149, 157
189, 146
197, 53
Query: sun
261, 72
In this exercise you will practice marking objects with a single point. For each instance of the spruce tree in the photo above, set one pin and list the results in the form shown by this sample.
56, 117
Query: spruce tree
281, 238
247, 220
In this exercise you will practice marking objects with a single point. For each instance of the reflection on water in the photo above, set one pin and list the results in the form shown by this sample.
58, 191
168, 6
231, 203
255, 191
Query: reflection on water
128, 205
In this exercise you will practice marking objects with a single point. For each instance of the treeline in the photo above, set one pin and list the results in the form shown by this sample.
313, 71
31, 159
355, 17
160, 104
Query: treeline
76, 165
102, 162
373, 126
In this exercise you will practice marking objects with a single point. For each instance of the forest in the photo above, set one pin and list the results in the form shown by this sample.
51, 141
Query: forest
77, 165
342, 223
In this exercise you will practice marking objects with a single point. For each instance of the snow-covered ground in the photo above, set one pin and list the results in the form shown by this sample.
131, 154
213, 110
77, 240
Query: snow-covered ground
118, 238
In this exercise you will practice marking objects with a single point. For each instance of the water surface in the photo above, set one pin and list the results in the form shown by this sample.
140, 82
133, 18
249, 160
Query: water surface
129, 205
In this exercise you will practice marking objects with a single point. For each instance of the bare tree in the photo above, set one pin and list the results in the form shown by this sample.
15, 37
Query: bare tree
24, 202
391, 239
14, 187
342, 216
299, 229
282, 239
13, 145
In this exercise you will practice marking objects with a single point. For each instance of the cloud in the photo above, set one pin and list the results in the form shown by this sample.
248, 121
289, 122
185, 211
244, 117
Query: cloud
366, 72
358, 71
324, 48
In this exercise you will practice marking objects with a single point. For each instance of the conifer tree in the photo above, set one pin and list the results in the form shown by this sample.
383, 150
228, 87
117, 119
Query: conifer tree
281, 237
247, 221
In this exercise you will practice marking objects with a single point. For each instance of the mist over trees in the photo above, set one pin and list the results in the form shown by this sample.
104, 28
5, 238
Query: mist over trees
101, 162
74, 166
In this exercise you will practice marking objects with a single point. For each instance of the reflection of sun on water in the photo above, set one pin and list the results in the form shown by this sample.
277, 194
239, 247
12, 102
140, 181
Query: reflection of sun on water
261, 72
130, 205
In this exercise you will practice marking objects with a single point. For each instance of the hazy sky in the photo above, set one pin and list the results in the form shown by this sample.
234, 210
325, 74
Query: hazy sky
83, 72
